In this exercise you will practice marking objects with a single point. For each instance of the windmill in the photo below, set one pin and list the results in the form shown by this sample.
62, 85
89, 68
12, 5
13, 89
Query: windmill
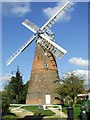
44, 69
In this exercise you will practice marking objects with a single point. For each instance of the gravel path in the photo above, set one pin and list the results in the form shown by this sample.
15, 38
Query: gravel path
20, 112
59, 113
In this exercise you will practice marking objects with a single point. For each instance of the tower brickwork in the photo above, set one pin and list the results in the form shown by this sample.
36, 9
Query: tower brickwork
44, 78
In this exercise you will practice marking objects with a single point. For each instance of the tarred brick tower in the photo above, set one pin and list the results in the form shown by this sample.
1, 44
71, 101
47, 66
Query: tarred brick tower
44, 78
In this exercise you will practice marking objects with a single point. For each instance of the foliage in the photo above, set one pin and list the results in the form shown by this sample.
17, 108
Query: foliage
80, 101
24, 93
64, 110
9, 117
72, 85
0, 104
5, 103
16, 90
76, 111
88, 90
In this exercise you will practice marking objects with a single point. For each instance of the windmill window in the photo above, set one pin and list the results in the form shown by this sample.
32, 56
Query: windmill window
46, 66
38, 57
45, 53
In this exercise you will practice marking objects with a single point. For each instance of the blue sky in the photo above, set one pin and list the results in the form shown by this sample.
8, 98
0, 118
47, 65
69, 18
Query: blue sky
71, 32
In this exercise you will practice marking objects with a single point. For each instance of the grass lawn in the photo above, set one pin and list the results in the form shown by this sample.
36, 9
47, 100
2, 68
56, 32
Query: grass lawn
76, 112
9, 117
39, 112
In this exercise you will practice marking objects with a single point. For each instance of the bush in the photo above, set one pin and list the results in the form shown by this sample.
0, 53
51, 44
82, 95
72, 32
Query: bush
5, 104
77, 105
8, 117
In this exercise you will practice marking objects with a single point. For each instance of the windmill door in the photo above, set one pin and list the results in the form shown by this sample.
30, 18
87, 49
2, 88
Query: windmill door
47, 99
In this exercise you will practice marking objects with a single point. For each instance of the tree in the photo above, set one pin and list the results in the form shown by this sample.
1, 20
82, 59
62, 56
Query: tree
14, 88
72, 85
89, 91
24, 93
5, 103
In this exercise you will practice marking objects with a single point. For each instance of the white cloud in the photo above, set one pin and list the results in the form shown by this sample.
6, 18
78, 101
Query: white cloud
79, 62
16, 9
4, 79
64, 15
83, 74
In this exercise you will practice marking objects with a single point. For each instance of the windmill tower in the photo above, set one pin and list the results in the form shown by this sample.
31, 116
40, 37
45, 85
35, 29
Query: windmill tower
44, 78
44, 75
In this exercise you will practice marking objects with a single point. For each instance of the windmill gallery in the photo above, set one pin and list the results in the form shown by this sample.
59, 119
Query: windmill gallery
44, 75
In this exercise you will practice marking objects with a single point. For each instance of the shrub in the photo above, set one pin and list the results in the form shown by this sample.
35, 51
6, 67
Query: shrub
5, 104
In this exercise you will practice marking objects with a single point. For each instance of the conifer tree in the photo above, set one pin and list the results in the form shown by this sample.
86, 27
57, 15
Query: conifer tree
15, 88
